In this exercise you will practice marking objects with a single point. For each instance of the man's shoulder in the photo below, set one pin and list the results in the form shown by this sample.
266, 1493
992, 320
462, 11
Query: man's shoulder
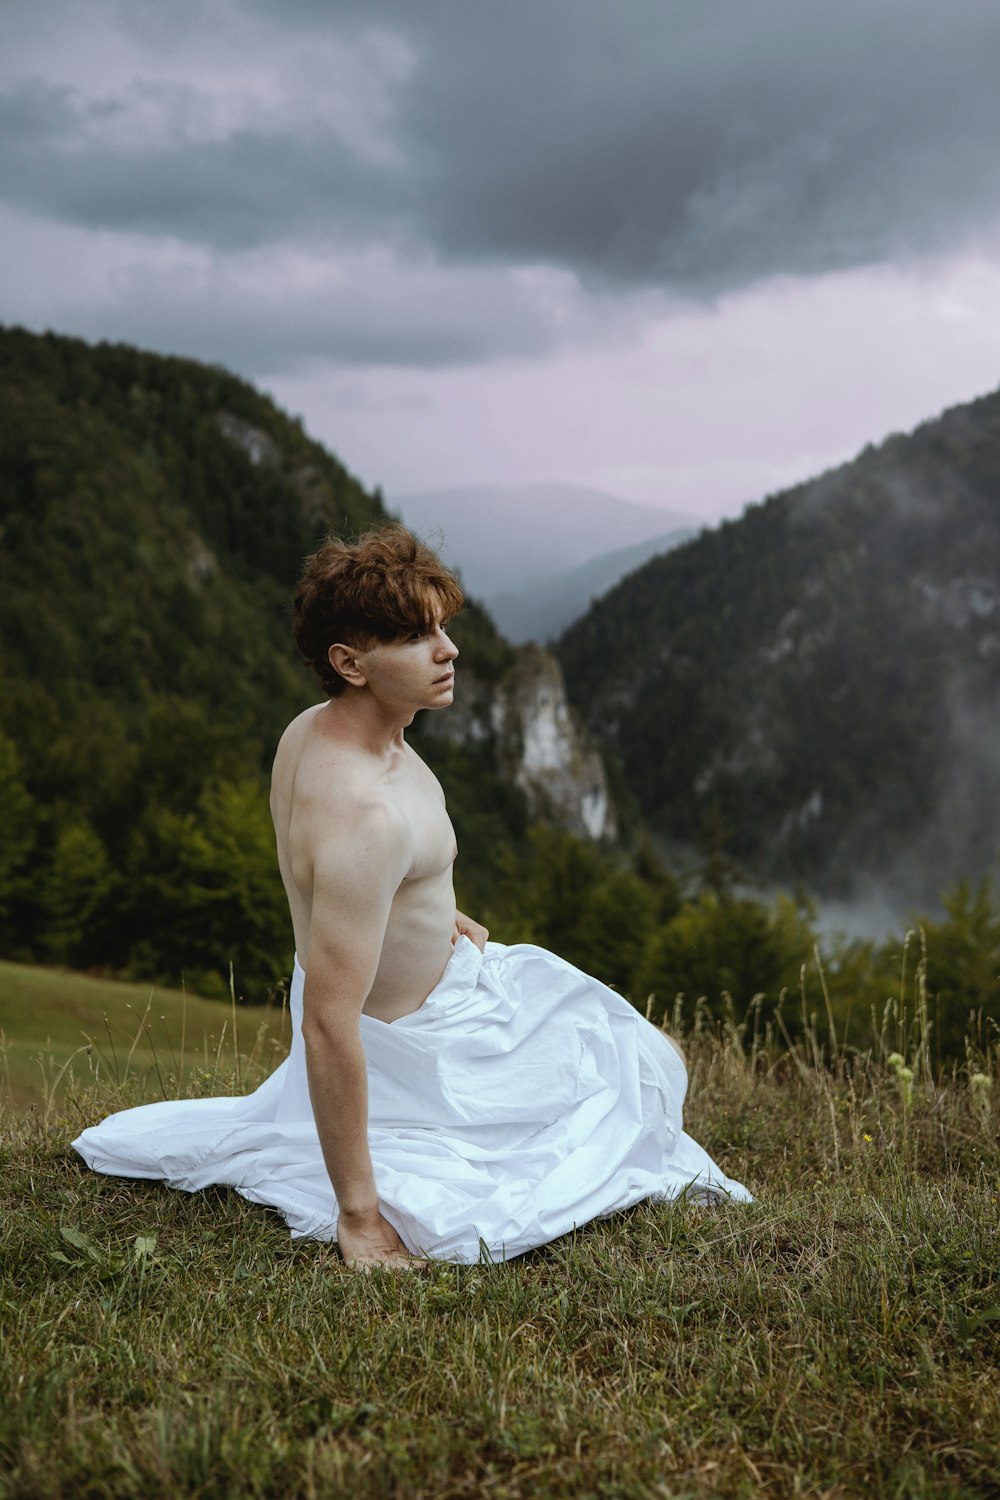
296, 730
366, 807
360, 831
338, 798
335, 792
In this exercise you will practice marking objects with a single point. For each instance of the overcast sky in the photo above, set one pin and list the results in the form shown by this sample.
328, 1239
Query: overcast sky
686, 251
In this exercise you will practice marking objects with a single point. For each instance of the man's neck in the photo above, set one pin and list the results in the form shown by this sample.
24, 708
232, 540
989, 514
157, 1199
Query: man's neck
358, 718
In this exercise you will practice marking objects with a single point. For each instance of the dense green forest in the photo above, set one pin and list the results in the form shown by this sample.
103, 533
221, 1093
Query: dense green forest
154, 513
813, 689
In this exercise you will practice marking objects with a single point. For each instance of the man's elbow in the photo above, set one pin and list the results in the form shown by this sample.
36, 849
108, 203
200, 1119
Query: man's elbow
331, 1032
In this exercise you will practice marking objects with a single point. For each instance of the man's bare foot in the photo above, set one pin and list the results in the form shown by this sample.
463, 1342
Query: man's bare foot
407, 1264
368, 1242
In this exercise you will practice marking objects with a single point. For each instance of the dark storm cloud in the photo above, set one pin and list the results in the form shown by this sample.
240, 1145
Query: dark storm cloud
249, 189
694, 145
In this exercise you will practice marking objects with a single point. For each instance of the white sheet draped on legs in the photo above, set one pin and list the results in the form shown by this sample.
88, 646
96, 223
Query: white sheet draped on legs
521, 1100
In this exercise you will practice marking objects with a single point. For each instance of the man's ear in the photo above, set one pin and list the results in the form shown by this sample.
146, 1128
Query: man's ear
345, 661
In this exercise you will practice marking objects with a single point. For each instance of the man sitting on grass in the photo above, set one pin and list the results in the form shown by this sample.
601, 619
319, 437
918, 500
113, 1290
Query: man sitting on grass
445, 1097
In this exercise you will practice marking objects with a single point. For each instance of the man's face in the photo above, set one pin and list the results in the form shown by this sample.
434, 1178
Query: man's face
415, 671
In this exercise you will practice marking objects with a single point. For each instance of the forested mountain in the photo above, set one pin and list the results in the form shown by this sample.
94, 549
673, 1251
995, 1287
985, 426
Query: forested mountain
813, 689
154, 514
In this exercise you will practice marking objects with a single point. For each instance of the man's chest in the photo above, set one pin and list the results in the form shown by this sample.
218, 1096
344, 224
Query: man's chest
433, 837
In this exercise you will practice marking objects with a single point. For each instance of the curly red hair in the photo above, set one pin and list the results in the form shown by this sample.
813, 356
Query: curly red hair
379, 588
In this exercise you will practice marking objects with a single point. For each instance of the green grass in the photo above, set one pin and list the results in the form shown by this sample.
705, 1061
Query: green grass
59, 1030
839, 1337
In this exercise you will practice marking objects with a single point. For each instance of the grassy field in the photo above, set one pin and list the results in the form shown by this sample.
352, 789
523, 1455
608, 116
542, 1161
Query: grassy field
839, 1337
60, 1030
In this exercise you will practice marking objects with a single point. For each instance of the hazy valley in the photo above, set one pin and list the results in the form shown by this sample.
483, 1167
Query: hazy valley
537, 555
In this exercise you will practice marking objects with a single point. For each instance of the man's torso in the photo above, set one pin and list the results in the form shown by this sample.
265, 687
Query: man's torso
316, 781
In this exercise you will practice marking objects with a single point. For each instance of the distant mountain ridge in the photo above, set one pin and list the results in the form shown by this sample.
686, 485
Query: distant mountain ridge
542, 608
814, 689
501, 537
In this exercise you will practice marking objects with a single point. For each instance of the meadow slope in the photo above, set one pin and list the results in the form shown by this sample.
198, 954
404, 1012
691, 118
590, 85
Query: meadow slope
59, 1029
838, 1337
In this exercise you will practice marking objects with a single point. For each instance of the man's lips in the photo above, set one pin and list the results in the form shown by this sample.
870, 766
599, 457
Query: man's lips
448, 677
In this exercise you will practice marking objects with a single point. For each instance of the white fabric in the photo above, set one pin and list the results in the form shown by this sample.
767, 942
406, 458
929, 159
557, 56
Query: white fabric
521, 1100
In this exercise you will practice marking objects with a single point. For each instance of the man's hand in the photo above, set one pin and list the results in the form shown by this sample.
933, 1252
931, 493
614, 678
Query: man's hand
368, 1241
466, 927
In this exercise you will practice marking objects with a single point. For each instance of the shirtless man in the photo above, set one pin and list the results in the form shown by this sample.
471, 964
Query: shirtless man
365, 844
512, 1096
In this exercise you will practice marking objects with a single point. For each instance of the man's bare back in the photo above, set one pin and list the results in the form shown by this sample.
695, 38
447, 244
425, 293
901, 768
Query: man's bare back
322, 783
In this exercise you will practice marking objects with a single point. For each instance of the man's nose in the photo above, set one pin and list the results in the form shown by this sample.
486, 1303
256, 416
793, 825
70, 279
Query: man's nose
446, 647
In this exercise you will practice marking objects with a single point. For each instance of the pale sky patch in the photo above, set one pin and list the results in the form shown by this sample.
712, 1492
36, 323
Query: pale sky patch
703, 410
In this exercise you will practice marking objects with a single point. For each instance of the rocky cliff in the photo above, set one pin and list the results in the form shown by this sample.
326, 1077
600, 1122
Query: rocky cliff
536, 739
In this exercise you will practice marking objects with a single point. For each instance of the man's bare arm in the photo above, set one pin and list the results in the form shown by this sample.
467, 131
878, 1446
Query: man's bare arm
356, 874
